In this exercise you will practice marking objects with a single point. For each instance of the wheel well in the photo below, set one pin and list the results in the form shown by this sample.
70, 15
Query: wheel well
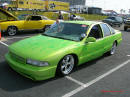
76, 58
116, 42
76, 61
13, 26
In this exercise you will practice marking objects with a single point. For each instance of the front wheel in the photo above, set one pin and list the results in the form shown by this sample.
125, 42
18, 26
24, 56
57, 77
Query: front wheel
12, 30
66, 65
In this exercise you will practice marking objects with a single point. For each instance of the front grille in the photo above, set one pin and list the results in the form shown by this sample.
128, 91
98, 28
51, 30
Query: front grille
17, 58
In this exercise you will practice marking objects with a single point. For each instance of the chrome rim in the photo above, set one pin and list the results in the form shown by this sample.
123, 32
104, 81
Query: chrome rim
67, 64
12, 31
113, 49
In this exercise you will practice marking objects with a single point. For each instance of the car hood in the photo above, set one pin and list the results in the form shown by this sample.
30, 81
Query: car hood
40, 47
8, 14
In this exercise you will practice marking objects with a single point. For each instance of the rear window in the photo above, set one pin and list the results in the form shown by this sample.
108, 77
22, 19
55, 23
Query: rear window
106, 30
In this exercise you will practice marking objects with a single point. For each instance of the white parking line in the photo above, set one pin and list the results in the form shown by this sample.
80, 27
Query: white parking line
4, 43
71, 93
76, 81
128, 55
19, 37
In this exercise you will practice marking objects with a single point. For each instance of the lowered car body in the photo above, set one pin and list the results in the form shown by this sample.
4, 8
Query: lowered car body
62, 47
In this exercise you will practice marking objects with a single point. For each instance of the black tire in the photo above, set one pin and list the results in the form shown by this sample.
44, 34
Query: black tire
65, 67
125, 28
113, 49
12, 30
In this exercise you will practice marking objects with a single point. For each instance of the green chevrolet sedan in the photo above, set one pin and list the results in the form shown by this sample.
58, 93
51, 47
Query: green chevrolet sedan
62, 47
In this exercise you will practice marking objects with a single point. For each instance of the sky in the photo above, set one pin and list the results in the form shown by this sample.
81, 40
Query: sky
116, 5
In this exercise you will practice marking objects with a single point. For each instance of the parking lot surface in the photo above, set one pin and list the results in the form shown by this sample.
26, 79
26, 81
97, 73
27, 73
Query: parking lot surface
92, 79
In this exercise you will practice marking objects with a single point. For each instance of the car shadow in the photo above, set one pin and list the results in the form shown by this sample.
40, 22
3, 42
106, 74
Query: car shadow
88, 64
12, 81
23, 33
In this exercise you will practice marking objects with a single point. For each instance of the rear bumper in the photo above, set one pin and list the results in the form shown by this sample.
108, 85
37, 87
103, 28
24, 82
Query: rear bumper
127, 25
32, 72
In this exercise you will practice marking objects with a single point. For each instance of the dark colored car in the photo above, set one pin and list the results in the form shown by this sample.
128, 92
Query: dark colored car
113, 21
126, 24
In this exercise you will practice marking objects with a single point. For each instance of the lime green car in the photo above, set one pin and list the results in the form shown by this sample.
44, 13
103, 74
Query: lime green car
61, 48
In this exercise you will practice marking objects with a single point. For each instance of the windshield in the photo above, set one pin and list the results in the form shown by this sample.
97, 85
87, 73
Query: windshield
68, 31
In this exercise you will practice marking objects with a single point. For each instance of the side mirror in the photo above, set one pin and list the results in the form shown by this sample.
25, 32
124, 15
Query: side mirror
90, 39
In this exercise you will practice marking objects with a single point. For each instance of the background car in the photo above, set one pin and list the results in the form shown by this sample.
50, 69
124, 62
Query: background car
114, 21
127, 24
32, 22
76, 17
61, 48
24, 16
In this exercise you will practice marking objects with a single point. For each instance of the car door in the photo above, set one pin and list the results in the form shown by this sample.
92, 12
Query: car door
108, 37
33, 22
93, 50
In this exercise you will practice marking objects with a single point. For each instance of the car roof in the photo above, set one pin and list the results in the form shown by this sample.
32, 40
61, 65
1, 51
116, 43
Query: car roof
84, 22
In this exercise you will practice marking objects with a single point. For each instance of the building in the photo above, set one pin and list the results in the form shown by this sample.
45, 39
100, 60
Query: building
110, 12
79, 8
73, 2
85, 9
94, 10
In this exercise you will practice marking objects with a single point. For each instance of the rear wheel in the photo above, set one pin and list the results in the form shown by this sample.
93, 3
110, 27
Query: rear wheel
66, 65
113, 49
125, 28
12, 30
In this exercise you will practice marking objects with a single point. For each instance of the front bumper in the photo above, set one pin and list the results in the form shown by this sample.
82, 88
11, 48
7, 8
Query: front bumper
32, 72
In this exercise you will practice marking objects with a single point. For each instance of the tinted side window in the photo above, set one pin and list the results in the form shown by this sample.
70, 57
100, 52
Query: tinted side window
106, 30
96, 32
35, 18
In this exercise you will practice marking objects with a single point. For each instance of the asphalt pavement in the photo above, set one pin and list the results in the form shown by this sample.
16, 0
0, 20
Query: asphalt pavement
107, 76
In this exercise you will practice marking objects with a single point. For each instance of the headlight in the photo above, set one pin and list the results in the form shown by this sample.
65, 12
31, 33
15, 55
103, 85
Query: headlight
36, 63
